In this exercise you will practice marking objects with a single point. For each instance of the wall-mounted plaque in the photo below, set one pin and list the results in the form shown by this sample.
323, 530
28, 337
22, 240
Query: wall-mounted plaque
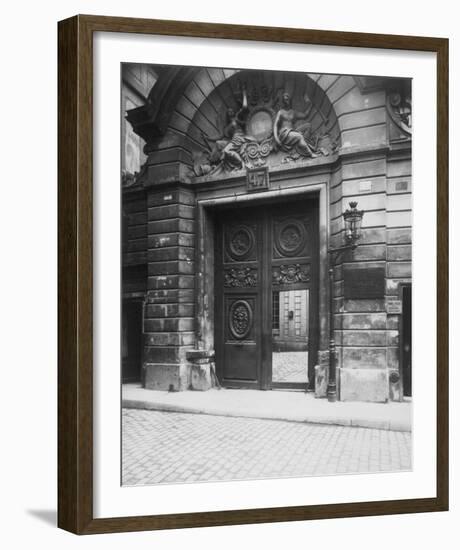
394, 306
257, 178
363, 283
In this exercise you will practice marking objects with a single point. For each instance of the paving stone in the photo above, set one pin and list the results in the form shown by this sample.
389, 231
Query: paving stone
164, 447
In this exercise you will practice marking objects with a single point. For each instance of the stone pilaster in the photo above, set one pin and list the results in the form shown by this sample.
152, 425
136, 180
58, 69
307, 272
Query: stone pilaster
169, 321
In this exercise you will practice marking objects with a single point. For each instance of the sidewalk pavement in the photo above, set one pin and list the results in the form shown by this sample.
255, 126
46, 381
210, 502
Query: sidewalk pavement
275, 405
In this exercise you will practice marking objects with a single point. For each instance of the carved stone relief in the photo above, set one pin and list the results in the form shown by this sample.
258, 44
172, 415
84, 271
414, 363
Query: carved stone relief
264, 124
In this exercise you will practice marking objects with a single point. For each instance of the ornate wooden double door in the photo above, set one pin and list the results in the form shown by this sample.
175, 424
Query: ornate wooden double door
266, 295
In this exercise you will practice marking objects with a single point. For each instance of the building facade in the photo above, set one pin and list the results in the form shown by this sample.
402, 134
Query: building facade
238, 195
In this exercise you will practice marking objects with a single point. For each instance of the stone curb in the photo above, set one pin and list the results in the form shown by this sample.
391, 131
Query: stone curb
378, 424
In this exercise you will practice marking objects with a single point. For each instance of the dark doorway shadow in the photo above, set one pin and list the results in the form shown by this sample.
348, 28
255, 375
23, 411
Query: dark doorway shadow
47, 516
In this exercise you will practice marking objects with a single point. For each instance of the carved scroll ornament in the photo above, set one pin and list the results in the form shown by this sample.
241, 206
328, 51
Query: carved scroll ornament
240, 277
292, 273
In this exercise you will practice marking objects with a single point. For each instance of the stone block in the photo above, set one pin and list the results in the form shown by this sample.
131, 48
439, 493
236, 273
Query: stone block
399, 168
169, 211
171, 195
138, 218
392, 285
354, 100
169, 338
365, 321
399, 235
194, 94
360, 357
160, 282
164, 354
399, 252
401, 201
392, 322
179, 122
339, 87
169, 310
338, 304
392, 335
134, 258
202, 365
170, 239
338, 288
186, 108
374, 219
366, 338
399, 269
393, 358
399, 185
177, 324
169, 226
171, 253
364, 385
370, 201
203, 125
170, 296
321, 380
364, 306
364, 137
171, 155
399, 219
136, 245
366, 252
168, 173
166, 377
176, 267
354, 187
364, 170
131, 206
363, 118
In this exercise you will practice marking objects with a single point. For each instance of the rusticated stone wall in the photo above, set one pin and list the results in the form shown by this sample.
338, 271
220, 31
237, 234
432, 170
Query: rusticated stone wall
169, 320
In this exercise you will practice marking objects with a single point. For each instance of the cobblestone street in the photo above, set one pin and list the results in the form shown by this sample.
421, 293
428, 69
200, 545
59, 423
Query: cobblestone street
166, 447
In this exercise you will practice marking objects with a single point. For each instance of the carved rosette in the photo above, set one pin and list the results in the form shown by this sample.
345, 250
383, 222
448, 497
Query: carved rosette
240, 242
240, 319
290, 238
240, 277
290, 274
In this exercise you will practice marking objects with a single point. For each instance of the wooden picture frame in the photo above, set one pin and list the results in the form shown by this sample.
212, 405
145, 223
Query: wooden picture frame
75, 373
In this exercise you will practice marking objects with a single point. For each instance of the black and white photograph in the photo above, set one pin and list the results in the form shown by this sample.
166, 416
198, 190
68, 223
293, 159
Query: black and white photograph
266, 274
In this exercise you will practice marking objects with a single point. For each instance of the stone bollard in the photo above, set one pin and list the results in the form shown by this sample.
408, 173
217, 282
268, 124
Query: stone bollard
202, 363
321, 379
322, 374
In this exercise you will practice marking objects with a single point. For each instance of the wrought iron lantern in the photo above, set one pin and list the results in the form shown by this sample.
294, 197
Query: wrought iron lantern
353, 219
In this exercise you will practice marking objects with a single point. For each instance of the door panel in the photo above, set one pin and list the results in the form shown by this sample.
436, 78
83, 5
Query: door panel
294, 268
241, 355
237, 303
